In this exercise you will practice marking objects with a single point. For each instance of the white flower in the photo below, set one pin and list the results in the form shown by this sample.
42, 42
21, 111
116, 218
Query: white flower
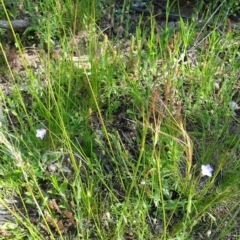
40, 133
207, 170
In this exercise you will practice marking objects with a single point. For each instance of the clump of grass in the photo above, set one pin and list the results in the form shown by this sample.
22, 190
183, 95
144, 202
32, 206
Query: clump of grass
126, 137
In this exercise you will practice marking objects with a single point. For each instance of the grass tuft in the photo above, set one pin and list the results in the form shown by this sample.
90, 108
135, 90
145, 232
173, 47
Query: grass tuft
127, 120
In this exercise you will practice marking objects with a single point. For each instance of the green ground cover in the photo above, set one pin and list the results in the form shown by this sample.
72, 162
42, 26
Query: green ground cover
119, 137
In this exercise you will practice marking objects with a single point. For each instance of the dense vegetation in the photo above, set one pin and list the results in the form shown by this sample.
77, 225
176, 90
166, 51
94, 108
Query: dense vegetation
117, 124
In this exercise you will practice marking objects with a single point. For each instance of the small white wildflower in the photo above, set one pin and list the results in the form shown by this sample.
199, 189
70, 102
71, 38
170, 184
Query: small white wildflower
40, 133
207, 170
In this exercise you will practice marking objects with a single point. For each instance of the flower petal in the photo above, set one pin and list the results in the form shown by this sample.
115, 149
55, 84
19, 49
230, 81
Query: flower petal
40, 133
207, 170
